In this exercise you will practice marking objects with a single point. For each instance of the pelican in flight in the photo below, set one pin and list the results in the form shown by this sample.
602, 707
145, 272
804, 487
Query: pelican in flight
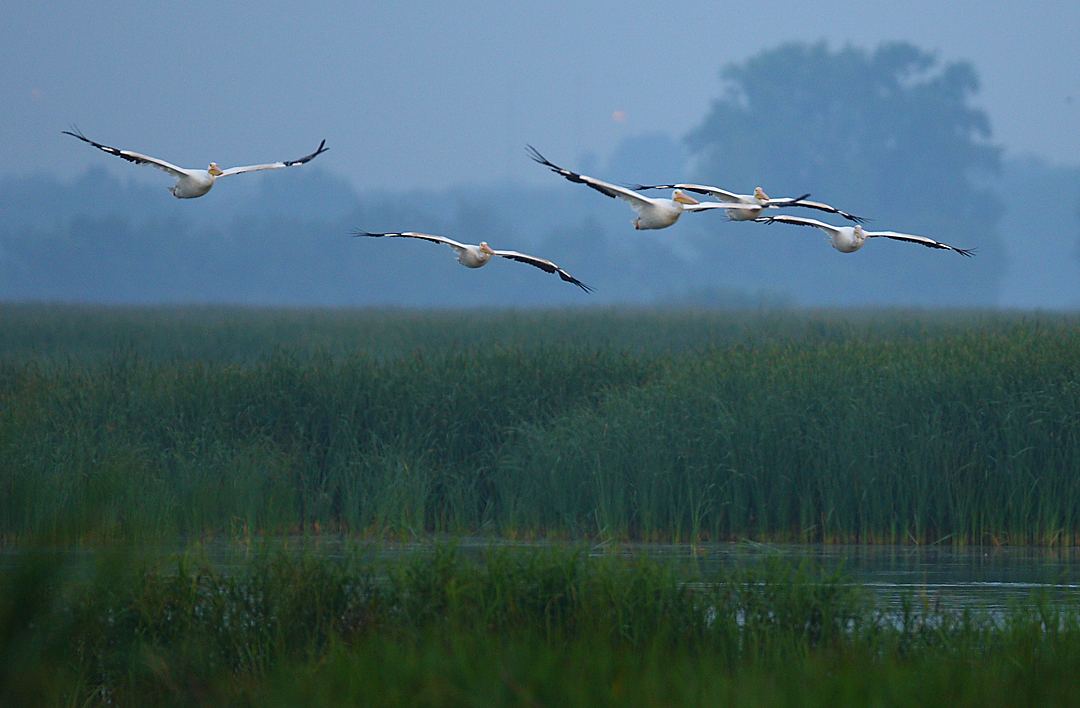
192, 183
652, 213
848, 239
748, 207
472, 256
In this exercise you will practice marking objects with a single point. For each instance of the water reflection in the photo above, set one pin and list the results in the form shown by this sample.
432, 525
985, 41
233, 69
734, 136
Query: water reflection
941, 577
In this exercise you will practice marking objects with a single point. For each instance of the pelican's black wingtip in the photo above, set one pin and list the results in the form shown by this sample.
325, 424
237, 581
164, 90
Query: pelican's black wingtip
536, 156
308, 158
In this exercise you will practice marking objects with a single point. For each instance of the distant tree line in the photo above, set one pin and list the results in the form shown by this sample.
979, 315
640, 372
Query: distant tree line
889, 134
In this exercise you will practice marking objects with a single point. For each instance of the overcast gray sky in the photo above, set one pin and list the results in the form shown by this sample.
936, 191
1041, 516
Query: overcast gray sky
416, 94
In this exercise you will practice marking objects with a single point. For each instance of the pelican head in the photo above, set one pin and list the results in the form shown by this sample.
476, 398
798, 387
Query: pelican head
760, 194
484, 248
214, 170
683, 198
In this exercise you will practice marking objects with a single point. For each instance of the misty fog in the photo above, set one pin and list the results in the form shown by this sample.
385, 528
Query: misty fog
888, 132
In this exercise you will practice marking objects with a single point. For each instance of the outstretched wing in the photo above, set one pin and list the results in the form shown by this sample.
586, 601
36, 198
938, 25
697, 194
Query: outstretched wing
544, 265
612, 190
802, 202
705, 206
276, 165
798, 221
458, 247
135, 157
928, 242
721, 194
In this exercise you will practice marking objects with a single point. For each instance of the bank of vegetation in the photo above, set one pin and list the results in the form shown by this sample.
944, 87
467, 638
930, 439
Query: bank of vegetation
894, 427
513, 627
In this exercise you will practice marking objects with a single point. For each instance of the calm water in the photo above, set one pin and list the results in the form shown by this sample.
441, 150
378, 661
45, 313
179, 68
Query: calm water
986, 578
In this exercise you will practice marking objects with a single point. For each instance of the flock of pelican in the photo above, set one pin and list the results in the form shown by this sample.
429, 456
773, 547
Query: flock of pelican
652, 212
661, 213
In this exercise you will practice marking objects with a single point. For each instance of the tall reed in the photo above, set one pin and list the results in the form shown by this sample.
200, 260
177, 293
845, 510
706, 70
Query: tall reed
874, 428
971, 437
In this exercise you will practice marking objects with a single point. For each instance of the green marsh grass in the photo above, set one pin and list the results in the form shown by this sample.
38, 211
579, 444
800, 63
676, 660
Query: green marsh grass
970, 437
892, 427
511, 627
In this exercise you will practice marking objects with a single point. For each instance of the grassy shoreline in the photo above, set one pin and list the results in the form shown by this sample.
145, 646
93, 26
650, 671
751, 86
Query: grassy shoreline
511, 627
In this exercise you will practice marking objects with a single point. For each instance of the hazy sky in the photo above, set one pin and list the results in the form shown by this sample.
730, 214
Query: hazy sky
418, 94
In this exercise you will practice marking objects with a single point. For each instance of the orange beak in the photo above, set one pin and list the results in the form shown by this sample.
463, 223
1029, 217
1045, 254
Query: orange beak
683, 198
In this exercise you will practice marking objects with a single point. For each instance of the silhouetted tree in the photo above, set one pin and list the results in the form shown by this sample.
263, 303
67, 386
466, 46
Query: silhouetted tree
888, 134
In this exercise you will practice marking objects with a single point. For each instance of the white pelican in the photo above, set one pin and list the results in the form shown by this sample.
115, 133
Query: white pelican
192, 183
472, 256
848, 239
747, 207
652, 213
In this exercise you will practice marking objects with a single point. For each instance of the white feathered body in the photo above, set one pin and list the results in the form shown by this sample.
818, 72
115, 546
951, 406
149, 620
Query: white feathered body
194, 184
472, 256
847, 239
661, 214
